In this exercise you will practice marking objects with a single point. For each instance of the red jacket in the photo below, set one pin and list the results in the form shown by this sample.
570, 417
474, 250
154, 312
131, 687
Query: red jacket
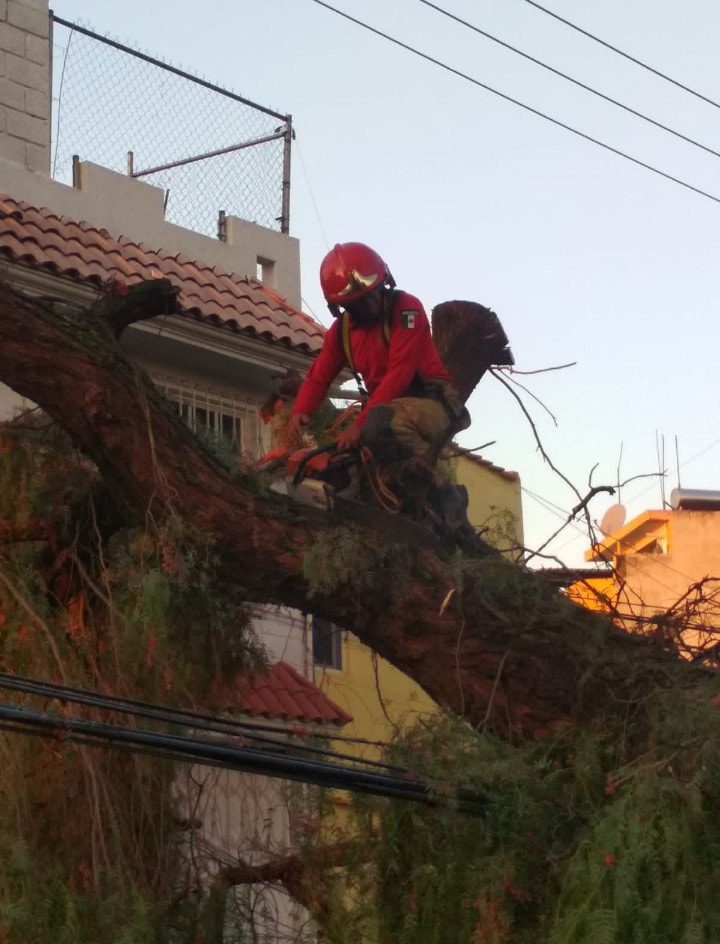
387, 369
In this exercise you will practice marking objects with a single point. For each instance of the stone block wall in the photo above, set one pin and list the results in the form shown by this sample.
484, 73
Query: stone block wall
25, 83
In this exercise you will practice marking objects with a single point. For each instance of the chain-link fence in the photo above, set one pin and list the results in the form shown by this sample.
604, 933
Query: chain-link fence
208, 148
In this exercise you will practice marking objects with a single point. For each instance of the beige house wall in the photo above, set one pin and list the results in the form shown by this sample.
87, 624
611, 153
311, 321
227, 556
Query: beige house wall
252, 818
657, 581
495, 500
10, 402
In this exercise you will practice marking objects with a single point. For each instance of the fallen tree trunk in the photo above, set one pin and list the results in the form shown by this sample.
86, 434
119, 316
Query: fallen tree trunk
506, 650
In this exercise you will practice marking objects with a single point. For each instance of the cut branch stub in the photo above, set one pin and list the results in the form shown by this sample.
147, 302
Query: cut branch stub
125, 305
470, 339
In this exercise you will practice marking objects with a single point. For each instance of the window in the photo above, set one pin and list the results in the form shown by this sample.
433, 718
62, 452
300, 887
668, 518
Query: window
213, 414
327, 644
265, 271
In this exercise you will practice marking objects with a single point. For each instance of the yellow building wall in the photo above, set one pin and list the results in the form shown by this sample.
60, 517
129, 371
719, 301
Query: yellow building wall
380, 698
494, 500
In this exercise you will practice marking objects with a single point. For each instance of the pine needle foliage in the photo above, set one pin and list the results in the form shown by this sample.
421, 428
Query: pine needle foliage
606, 835
90, 840
338, 557
600, 837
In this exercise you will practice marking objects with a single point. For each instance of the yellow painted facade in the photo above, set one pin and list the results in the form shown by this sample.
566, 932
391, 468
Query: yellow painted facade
379, 697
592, 593
495, 500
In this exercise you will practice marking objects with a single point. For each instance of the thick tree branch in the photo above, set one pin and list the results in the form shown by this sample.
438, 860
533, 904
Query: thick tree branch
126, 304
558, 660
305, 877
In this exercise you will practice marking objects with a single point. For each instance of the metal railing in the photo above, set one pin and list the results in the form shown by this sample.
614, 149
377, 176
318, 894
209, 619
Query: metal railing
208, 148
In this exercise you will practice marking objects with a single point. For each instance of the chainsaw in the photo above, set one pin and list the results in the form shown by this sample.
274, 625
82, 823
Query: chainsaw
313, 476
335, 480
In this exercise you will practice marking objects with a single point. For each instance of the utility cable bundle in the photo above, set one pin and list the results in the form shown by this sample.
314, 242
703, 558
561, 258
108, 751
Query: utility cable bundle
235, 745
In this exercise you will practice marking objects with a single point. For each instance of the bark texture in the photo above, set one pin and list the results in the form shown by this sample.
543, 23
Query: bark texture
505, 650
470, 340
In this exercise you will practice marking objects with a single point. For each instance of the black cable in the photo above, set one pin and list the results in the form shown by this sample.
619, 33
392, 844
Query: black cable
515, 101
625, 55
569, 78
247, 760
177, 716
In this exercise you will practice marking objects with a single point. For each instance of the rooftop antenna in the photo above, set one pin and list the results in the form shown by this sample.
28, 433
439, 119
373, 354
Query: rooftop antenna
661, 465
677, 461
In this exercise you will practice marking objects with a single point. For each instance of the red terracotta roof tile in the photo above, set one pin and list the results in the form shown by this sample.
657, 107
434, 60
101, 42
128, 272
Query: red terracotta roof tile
40, 238
283, 693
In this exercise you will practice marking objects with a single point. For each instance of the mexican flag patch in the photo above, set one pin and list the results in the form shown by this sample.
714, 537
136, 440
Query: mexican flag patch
407, 319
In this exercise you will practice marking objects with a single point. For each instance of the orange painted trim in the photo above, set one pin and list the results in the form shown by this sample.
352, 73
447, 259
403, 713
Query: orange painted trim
622, 541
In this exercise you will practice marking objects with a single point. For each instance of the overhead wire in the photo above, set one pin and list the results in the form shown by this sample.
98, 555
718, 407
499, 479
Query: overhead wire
224, 754
312, 194
625, 55
682, 465
570, 78
508, 98
174, 716
559, 512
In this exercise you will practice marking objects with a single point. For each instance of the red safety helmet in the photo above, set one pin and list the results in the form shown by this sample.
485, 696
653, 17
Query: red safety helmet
350, 271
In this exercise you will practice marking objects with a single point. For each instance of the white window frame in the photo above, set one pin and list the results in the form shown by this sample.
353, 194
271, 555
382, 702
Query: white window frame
239, 417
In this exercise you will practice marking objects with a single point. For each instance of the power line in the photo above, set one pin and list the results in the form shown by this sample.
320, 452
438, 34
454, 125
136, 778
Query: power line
312, 196
570, 78
684, 463
225, 754
561, 513
173, 716
625, 55
515, 101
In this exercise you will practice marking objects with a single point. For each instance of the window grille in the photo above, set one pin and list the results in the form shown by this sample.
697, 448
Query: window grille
216, 415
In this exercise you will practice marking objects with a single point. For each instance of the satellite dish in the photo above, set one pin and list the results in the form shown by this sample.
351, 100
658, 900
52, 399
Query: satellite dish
613, 519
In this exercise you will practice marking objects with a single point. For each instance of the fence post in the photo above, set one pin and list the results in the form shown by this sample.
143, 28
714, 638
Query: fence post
285, 211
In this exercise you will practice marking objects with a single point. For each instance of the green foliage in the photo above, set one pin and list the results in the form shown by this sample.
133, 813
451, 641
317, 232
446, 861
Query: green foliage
601, 836
50, 910
500, 529
340, 556
589, 839
89, 840
41, 476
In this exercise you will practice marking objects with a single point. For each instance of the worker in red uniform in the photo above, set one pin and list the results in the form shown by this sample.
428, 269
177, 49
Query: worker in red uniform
383, 335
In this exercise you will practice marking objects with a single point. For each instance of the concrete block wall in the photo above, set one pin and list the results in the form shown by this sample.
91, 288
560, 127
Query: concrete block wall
120, 204
25, 83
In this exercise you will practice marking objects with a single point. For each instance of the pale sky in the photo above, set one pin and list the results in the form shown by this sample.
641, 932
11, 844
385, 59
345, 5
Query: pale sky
584, 256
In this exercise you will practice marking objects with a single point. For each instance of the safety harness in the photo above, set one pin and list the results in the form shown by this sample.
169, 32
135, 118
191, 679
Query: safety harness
344, 335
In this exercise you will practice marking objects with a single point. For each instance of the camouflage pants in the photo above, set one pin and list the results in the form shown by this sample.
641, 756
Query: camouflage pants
413, 428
